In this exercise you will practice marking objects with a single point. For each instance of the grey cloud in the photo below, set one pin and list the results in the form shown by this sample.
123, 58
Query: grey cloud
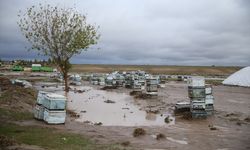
149, 32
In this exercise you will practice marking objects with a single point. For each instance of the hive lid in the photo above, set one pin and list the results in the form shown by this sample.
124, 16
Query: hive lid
55, 96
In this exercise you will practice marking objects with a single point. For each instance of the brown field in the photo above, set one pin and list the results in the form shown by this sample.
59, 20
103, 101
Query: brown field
180, 70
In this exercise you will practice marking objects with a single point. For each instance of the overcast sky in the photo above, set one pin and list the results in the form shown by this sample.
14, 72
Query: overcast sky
164, 32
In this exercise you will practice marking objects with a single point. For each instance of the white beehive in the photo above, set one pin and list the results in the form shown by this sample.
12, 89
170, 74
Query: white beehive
38, 112
54, 117
41, 97
196, 81
54, 101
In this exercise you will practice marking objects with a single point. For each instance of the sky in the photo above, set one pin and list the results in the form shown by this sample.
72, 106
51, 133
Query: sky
147, 32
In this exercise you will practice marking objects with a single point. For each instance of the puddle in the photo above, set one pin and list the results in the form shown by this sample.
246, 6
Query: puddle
121, 112
117, 110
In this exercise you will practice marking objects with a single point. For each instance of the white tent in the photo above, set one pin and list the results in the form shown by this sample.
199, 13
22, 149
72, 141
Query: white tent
239, 78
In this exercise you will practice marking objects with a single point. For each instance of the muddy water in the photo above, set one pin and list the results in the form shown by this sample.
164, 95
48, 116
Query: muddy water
92, 108
123, 112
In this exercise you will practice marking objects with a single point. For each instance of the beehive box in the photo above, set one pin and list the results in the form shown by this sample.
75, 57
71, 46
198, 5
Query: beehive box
41, 97
54, 101
198, 105
54, 116
196, 82
199, 114
151, 88
209, 99
208, 90
196, 92
39, 112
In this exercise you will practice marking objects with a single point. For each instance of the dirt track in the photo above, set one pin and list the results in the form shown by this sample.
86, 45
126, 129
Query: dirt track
232, 130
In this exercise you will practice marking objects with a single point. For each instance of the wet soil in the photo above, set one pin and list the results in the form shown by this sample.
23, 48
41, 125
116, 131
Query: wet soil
230, 121
232, 110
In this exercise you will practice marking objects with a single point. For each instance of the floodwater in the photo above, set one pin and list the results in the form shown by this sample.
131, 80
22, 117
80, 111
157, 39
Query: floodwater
91, 107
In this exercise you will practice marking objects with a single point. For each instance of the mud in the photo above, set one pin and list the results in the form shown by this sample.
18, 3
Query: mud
232, 106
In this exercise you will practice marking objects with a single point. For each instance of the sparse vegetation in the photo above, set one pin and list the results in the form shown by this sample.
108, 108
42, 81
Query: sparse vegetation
214, 82
158, 69
167, 119
47, 138
9, 114
139, 132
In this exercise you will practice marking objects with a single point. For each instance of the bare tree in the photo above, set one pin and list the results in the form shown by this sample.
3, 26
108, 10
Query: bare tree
58, 33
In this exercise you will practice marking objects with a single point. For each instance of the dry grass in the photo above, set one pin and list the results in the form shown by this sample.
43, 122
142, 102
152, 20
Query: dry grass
157, 69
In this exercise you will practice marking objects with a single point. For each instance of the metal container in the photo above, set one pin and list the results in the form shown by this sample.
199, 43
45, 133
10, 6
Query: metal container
54, 101
196, 92
39, 112
54, 117
41, 97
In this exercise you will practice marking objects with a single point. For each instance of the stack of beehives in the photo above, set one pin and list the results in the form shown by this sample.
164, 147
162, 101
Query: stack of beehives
151, 86
50, 107
201, 98
209, 100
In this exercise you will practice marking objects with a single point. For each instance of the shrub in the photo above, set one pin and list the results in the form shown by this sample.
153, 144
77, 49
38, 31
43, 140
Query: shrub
139, 132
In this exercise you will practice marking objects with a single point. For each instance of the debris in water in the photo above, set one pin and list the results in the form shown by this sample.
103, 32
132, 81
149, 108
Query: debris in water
108, 87
73, 114
212, 127
167, 119
247, 119
109, 101
126, 143
160, 136
98, 124
152, 111
133, 93
83, 111
86, 122
125, 108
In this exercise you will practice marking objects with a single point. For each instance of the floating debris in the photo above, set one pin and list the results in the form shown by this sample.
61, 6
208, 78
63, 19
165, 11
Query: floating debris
160, 136
109, 101
98, 124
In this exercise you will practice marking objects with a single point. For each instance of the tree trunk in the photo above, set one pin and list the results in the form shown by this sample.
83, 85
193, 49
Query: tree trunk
65, 76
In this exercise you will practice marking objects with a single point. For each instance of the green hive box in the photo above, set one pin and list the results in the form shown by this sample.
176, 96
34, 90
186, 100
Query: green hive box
17, 68
46, 69
36, 68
